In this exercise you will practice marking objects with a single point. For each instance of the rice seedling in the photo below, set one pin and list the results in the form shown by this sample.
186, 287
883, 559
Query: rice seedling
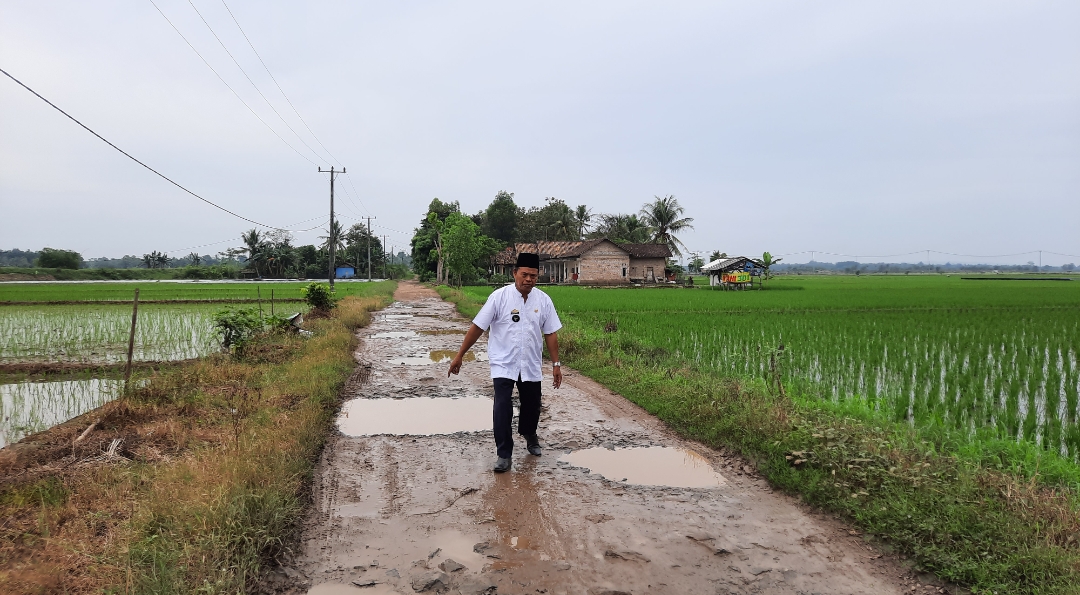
99, 334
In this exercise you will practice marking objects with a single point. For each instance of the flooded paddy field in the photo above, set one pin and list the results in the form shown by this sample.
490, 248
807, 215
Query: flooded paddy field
33, 405
73, 352
99, 333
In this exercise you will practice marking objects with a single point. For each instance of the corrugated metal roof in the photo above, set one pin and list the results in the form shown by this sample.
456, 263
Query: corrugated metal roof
724, 264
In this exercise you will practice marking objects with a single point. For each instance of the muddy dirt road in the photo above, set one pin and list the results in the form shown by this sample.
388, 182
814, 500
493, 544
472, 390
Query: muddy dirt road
406, 501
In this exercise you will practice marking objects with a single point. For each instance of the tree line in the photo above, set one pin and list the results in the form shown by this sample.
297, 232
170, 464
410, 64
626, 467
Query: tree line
450, 245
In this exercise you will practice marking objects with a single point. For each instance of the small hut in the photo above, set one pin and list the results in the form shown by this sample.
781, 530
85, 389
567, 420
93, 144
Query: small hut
739, 272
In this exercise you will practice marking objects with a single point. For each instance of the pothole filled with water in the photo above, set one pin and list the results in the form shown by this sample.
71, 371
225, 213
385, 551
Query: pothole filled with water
418, 416
436, 356
649, 466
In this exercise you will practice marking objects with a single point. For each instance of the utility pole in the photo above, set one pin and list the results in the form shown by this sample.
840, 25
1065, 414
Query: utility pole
369, 245
330, 236
384, 257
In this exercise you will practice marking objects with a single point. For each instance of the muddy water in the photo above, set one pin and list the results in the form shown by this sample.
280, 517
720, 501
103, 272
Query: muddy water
414, 417
650, 465
28, 407
392, 511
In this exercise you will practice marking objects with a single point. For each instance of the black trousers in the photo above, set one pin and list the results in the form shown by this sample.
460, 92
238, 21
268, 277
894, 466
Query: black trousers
503, 415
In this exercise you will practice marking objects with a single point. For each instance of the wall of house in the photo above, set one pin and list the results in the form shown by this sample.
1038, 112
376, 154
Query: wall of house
638, 267
604, 265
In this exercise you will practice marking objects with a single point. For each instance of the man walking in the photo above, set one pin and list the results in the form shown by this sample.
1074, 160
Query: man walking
522, 319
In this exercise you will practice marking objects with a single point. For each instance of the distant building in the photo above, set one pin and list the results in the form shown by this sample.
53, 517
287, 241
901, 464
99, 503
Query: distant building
344, 272
591, 262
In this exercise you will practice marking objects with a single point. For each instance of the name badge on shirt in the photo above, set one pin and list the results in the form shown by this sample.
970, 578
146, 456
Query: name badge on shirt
515, 317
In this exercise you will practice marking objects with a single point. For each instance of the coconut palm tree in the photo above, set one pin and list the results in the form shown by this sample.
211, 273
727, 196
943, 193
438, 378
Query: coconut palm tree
564, 225
253, 245
584, 217
665, 217
338, 238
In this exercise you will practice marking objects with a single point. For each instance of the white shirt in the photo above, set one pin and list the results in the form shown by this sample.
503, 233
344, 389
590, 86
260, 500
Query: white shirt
517, 348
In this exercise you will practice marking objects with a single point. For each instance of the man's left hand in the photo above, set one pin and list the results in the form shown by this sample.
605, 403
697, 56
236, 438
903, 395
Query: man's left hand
556, 371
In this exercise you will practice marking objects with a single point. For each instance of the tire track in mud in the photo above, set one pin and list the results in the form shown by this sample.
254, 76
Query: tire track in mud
424, 513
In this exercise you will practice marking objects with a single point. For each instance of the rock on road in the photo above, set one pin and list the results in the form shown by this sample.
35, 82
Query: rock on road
408, 503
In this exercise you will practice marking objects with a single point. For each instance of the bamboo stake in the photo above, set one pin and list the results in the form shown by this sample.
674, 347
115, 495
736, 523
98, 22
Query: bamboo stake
131, 339
258, 290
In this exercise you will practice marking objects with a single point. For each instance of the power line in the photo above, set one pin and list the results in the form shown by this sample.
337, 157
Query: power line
265, 67
129, 156
295, 150
256, 87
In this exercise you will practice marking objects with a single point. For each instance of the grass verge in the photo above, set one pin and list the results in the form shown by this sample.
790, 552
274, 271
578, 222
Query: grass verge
987, 520
207, 477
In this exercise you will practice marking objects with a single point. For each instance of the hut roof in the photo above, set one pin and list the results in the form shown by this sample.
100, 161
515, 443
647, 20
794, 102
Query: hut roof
729, 264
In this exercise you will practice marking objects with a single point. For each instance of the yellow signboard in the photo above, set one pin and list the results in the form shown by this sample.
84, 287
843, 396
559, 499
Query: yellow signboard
736, 277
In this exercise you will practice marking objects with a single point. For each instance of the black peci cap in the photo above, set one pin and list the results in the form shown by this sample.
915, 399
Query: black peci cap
528, 260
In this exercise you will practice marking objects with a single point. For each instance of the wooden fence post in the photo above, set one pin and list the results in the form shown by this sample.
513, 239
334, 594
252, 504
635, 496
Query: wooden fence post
131, 339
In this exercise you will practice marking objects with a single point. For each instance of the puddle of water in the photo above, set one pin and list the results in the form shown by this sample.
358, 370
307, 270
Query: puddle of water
437, 356
444, 331
652, 466
340, 589
28, 407
394, 335
420, 416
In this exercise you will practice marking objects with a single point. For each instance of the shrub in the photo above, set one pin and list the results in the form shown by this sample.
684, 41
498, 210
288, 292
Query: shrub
319, 296
237, 327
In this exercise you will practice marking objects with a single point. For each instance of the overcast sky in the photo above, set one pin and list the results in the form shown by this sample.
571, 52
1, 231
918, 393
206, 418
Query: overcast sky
857, 128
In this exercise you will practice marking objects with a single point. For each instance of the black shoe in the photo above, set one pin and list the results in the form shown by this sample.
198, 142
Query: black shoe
502, 465
534, 445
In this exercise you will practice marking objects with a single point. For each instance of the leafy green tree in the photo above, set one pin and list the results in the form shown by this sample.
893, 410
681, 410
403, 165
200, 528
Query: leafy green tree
553, 221
717, 255
194, 259
500, 219
52, 258
253, 245
696, 263
425, 255
665, 217
355, 251
463, 245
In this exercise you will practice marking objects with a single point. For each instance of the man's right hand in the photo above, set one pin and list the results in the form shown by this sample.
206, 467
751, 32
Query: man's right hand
455, 366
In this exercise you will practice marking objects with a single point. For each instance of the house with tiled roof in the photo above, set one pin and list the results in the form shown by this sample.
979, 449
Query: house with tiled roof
591, 262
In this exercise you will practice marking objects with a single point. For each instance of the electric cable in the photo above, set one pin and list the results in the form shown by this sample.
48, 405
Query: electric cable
265, 67
295, 150
238, 238
129, 156
256, 87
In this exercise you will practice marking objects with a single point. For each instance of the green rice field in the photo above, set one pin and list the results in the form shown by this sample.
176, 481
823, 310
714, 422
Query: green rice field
93, 291
76, 323
973, 358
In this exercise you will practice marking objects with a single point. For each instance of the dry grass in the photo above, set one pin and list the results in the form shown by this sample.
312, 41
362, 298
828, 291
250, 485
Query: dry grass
208, 482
